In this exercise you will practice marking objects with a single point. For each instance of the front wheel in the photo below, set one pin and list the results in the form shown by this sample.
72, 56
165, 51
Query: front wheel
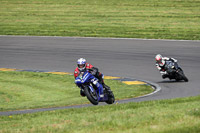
91, 96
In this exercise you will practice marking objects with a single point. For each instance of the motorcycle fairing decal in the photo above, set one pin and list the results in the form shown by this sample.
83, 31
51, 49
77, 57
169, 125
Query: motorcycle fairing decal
92, 90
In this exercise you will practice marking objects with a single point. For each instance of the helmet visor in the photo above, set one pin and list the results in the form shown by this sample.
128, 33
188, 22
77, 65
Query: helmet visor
159, 61
81, 65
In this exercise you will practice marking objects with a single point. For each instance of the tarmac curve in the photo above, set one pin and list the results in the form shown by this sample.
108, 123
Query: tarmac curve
133, 58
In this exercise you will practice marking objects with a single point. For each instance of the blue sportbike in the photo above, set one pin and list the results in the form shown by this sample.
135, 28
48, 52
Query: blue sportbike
93, 89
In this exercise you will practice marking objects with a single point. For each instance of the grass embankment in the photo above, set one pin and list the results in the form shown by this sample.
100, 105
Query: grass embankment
24, 90
158, 19
167, 116
20, 90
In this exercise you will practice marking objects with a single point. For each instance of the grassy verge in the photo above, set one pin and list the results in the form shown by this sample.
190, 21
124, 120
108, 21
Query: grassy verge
163, 19
24, 90
166, 116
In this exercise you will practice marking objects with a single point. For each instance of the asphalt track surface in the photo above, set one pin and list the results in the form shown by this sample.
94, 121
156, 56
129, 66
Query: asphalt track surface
132, 58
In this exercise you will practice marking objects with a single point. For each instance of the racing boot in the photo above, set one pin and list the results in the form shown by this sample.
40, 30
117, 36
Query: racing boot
165, 76
82, 93
101, 81
107, 88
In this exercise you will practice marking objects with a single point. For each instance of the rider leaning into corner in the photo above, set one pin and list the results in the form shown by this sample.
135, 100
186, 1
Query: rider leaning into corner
160, 64
82, 65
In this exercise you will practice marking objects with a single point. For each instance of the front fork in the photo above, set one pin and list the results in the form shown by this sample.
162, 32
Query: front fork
98, 92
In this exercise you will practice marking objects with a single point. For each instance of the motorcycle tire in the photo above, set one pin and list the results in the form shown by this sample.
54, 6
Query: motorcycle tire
183, 76
92, 97
111, 98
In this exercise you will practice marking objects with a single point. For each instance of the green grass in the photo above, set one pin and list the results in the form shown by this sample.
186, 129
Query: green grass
166, 116
25, 90
158, 19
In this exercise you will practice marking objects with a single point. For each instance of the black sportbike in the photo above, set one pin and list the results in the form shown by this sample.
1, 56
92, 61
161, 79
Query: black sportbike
174, 71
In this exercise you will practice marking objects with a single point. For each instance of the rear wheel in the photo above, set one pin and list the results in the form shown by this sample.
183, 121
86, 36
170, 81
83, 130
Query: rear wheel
183, 76
91, 96
111, 98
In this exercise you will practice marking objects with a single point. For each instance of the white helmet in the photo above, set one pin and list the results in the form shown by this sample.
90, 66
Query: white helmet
81, 63
159, 60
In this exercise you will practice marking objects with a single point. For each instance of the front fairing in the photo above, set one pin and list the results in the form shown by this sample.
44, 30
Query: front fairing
83, 78
87, 79
171, 67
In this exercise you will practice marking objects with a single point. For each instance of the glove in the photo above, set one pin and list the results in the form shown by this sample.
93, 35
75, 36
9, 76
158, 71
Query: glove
94, 71
174, 60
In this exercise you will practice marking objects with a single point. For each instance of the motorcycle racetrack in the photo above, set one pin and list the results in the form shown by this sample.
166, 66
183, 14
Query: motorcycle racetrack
132, 58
